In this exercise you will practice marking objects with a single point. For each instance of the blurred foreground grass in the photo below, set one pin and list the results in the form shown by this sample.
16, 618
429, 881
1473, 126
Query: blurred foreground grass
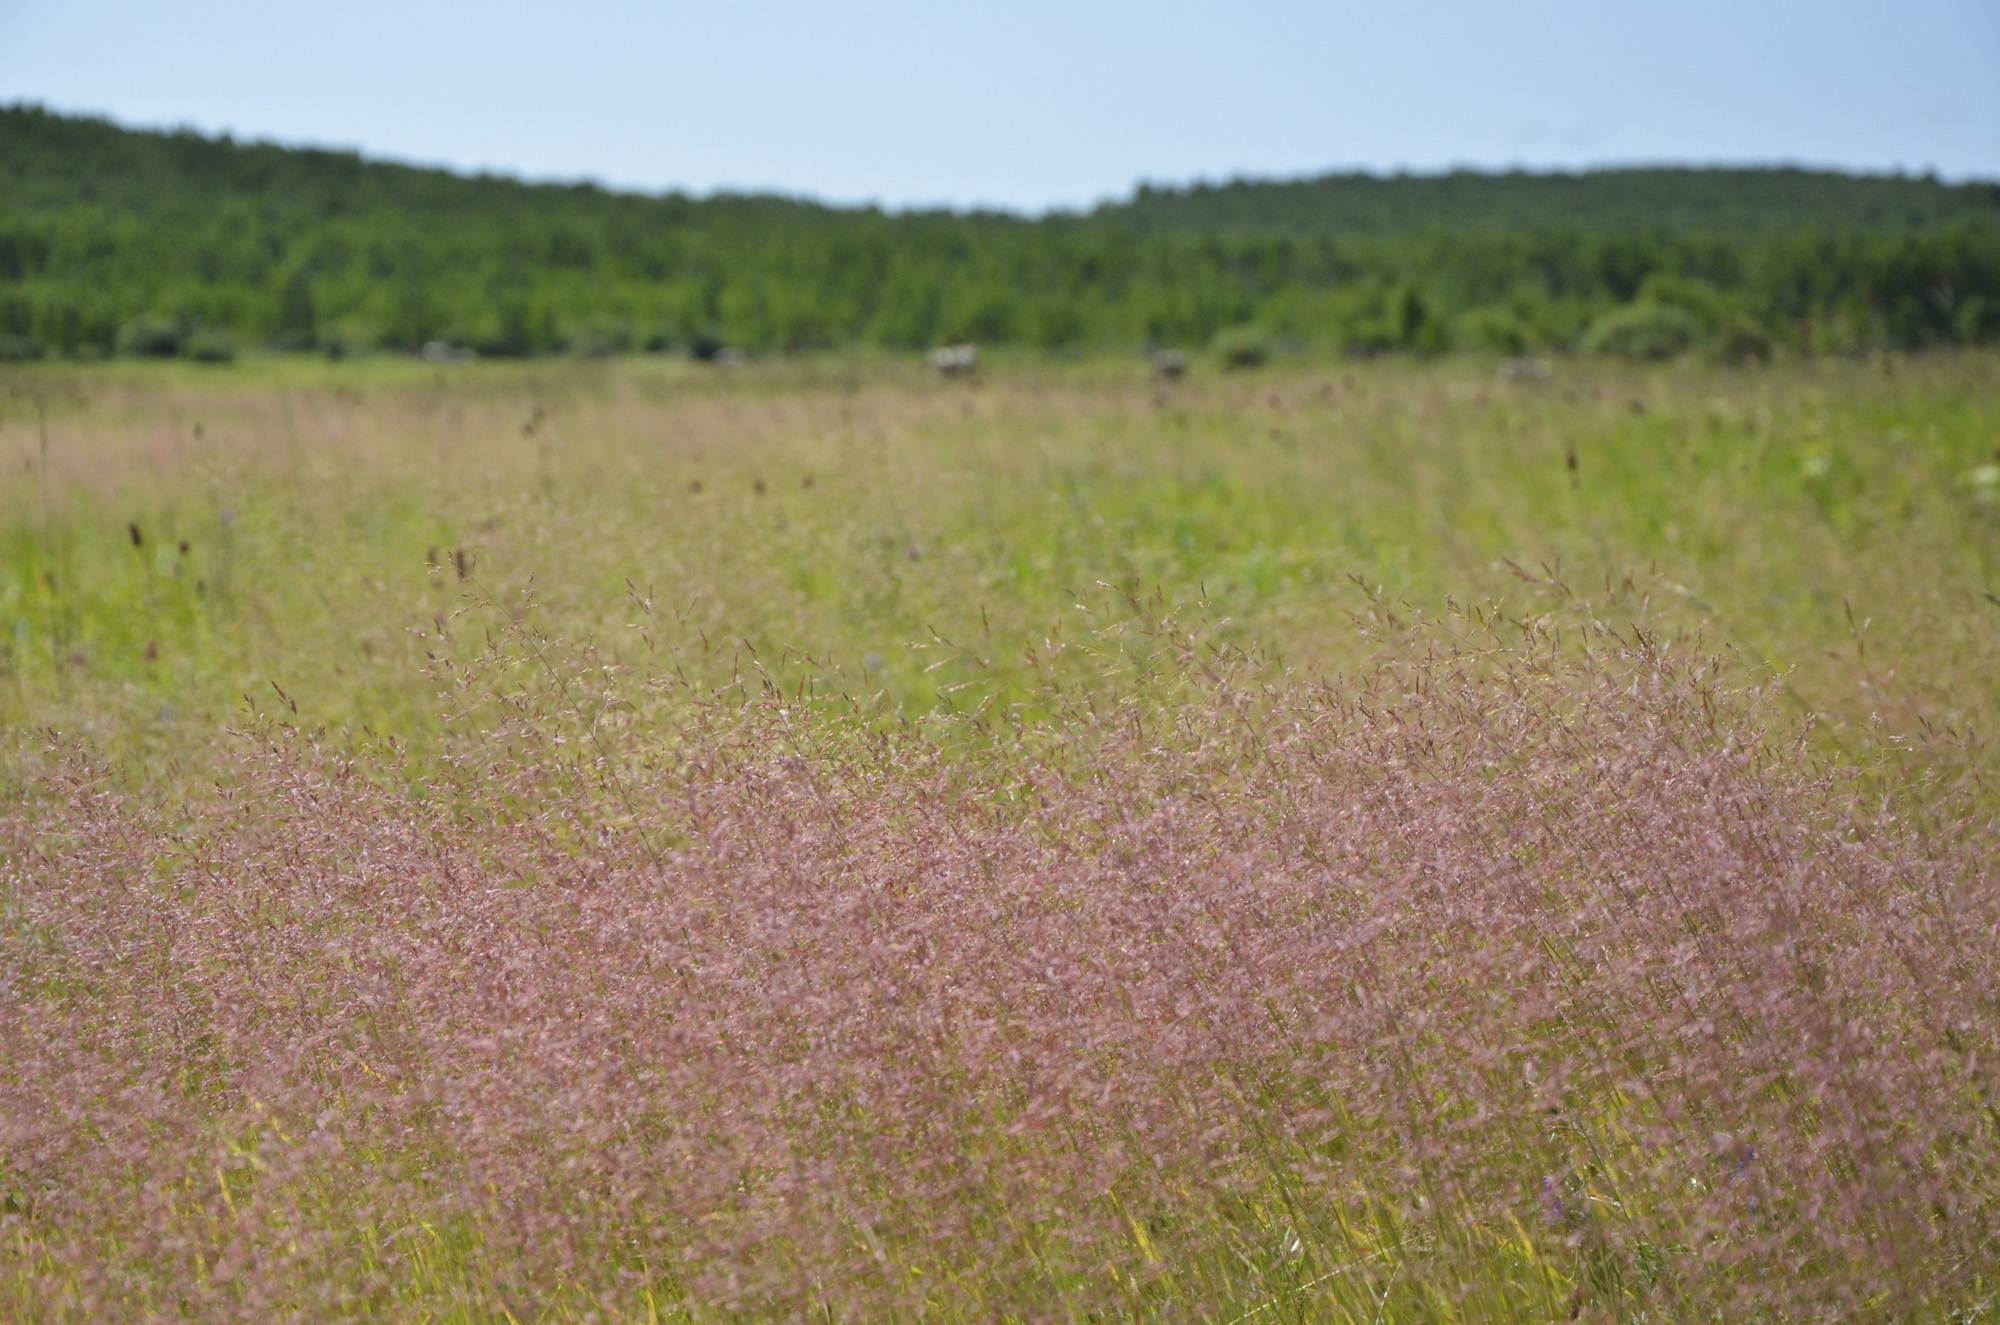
180, 542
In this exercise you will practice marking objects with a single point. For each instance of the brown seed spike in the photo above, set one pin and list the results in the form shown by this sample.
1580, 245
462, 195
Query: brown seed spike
138, 539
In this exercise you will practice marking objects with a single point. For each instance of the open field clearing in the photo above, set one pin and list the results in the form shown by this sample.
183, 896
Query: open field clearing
1347, 841
1834, 524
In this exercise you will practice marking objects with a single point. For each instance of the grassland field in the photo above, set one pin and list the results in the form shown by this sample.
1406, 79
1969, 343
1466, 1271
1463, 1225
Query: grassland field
205, 567
177, 539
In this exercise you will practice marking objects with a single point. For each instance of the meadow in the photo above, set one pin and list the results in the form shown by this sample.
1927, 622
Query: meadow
1369, 840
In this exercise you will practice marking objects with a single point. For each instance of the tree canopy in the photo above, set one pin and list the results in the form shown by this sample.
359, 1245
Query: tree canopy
114, 240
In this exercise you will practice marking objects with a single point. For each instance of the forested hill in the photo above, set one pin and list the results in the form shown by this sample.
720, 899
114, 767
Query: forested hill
1711, 201
119, 241
51, 161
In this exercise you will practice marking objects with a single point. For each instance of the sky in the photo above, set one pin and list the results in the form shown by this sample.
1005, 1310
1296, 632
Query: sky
1035, 103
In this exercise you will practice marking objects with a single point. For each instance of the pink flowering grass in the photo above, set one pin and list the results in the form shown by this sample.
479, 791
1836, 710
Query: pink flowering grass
1507, 979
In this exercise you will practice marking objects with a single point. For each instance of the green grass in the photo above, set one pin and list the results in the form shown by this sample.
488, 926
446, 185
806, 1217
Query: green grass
306, 533
1833, 523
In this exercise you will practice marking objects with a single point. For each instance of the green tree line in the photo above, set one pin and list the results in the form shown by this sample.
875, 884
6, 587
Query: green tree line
1714, 201
118, 241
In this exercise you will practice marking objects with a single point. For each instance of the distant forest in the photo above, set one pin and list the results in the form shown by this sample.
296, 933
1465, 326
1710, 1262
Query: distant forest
115, 241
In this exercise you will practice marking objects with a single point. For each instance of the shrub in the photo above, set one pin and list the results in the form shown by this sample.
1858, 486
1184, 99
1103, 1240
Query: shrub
154, 336
1978, 320
1058, 325
1700, 299
295, 320
1643, 331
350, 341
1739, 340
1242, 347
1493, 328
599, 337
207, 345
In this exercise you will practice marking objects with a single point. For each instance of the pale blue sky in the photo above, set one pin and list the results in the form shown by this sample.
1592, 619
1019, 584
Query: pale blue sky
1034, 103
